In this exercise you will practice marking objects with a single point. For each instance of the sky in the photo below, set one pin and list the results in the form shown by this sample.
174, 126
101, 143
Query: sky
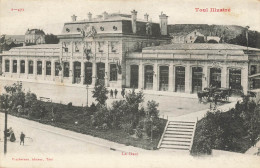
50, 15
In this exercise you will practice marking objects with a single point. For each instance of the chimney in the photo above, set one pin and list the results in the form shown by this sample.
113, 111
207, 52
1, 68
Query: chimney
105, 15
163, 24
146, 16
89, 16
73, 18
134, 17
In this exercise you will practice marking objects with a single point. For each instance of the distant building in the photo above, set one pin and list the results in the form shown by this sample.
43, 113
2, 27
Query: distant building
34, 36
193, 37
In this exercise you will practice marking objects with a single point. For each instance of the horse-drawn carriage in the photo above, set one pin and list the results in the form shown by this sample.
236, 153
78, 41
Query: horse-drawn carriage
214, 94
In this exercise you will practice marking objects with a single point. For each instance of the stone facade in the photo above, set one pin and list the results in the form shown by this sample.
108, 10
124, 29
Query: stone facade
124, 51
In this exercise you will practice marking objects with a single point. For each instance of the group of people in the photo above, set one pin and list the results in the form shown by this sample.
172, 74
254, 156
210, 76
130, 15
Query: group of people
10, 133
112, 93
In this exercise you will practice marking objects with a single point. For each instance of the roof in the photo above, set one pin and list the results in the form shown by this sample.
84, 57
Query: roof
200, 46
34, 31
41, 46
15, 37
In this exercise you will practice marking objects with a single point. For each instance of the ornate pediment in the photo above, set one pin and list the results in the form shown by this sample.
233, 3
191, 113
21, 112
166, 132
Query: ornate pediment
88, 31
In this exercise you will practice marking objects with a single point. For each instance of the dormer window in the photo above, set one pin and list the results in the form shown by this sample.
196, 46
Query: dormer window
114, 28
102, 28
67, 30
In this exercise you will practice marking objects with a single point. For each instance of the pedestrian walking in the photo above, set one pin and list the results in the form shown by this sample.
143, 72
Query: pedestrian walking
123, 92
12, 137
22, 136
111, 93
116, 93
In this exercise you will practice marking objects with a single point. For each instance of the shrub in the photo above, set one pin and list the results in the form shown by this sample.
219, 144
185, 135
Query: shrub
100, 93
138, 133
127, 127
69, 105
152, 108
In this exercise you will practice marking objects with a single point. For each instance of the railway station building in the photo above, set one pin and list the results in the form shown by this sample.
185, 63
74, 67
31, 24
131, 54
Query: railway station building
121, 50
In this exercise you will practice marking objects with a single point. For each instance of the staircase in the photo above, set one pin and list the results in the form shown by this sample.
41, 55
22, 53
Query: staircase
177, 136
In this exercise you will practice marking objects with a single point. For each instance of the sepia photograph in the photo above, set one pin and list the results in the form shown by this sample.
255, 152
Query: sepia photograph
129, 83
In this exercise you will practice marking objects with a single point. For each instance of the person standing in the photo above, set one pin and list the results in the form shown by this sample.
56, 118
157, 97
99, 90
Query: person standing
111, 93
123, 92
115, 93
22, 136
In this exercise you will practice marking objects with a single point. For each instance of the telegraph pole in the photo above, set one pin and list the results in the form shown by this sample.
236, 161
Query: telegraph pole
5, 132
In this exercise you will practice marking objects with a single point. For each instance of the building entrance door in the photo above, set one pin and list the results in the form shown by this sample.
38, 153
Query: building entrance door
148, 77
134, 76
77, 72
196, 79
164, 77
235, 79
180, 79
101, 72
88, 73
215, 77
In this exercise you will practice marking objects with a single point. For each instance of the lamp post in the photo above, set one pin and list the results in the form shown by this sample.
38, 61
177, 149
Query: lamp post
151, 119
4, 104
87, 54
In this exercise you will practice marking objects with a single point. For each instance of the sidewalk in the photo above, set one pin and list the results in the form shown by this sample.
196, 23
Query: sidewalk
196, 116
74, 135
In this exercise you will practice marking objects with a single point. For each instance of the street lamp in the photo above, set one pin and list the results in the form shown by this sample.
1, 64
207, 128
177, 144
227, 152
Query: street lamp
87, 54
151, 119
5, 104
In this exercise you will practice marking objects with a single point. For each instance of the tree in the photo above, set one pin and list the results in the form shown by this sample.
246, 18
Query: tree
152, 109
100, 93
51, 39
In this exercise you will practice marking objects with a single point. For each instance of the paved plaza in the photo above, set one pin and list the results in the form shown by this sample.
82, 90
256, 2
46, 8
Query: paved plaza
170, 105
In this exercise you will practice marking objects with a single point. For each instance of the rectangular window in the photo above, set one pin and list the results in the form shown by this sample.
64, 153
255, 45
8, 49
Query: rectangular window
57, 68
101, 46
22, 65
48, 68
7, 65
66, 71
253, 69
30, 67
39, 67
14, 66
113, 72
76, 47
114, 47
65, 47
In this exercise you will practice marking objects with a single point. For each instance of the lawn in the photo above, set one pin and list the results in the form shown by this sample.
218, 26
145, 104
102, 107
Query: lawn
68, 117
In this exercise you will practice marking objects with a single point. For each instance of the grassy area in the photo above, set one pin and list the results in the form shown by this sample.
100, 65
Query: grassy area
65, 117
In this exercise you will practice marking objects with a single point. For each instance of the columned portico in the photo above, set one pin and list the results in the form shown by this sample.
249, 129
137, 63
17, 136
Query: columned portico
171, 77
52, 69
244, 79
26, 67
35, 68
205, 77
18, 67
224, 76
43, 69
140, 76
155, 76
94, 72
82, 74
188, 81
